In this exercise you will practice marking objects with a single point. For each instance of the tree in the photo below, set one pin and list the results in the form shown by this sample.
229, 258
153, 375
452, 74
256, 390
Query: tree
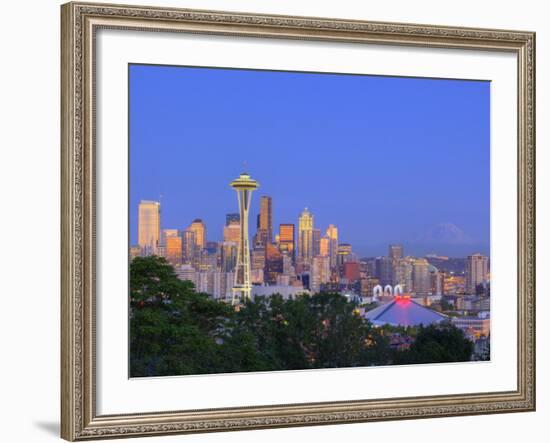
173, 329
441, 343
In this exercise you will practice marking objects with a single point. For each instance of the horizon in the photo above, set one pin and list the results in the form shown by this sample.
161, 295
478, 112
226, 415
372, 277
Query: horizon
192, 127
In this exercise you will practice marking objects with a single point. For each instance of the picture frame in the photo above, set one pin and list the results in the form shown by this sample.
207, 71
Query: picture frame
80, 23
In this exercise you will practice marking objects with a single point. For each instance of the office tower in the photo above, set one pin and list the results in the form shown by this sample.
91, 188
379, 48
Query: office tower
403, 274
148, 226
173, 250
332, 234
305, 237
232, 217
244, 186
258, 257
320, 272
286, 239
351, 271
436, 280
265, 221
395, 252
316, 236
199, 228
288, 268
421, 276
229, 256
477, 270
384, 270
165, 233
324, 246
344, 254
273, 263
188, 246
232, 232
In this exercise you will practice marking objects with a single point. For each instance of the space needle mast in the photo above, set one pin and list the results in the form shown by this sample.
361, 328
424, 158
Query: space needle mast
242, 288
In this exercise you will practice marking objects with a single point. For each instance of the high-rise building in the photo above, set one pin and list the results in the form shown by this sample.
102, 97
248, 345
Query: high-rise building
421, 276
324, 246
384, 270
395, 252
199, 228
320, 272
477, 271
436, 280
273, 263
228, 256
316, 236
188, 246
173, 250
265, 221
403, 274
286, 238
148, 226
305, 237
232, 217
351, 271
332, 234
345, 254
165, 233
232, 232
258, 257
244, 185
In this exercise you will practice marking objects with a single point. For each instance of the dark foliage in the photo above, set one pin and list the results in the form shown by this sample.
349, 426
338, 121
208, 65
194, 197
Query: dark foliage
176, 331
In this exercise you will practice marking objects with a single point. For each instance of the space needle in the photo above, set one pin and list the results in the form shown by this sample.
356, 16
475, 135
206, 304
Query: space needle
242, 288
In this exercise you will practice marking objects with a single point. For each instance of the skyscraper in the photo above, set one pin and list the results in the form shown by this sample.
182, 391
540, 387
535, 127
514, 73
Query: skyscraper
403, 274
273, 263
395, 252
165, 233
286, 239
332, 234
244, 186
188, 247
174, 250
324, 247
229, 256
320, 272
421, 276
477, 270
148, 226
232, 217
305, 237
316, 236
232, 232
345, 254
265, 221
199, 228
384, 270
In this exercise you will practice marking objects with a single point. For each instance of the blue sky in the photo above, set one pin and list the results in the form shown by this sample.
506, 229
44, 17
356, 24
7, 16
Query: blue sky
386, 159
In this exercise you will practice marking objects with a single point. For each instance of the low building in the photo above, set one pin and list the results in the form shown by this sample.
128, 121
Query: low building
402, 311
286, 292
473, 327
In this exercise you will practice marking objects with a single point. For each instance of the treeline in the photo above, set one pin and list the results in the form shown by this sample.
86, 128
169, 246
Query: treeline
177, 331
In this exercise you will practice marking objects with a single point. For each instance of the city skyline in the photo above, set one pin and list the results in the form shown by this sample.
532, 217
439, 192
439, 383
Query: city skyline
377, 200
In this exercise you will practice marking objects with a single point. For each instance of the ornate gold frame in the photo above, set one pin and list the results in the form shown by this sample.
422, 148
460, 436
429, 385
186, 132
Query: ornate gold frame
79, 420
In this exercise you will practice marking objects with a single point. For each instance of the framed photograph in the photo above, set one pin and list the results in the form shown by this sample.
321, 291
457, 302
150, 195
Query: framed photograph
284, 221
